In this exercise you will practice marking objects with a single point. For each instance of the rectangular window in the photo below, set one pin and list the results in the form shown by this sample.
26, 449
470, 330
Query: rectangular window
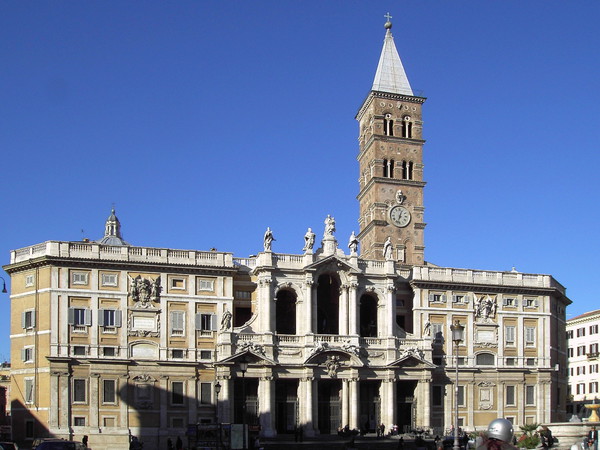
206, 322
437, 395
594, 349
509, 335
109, 279
461, 396
570, 334
570, 352
28, 319
593, 386
177, 353
205, 354
109, 422
79, 278
437, 298
27, 354
580, 388
177, 323
79, 318
109, 318
108, 351
79, 391
29, 393
246, 295
529, 336
206, 285
29, 428
79, 350
178, 283
438, 332
109, 391
530, 361
177, 393
509, 301
594, 329
510, 395
205, 393
29, 280
510, 361
593, 368
79, 421
581, 350
530, 303
530, 395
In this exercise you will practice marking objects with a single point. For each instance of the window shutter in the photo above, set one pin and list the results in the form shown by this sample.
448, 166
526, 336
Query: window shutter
118, 319
71, 316
33, 318
536, 303
88, 317
198, 321
454, 298
23, 355
213, 322
101, 317
516, 302
23, 320
443, 298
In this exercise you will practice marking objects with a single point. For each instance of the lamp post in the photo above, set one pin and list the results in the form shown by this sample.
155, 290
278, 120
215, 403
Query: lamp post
458, 334
4, 291
243, 369
217, 390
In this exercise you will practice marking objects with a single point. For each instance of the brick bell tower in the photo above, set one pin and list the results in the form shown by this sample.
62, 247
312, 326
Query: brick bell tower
391, 164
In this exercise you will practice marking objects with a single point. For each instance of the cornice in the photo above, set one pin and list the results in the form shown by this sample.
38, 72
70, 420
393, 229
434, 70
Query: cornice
388, 139
388, 96
481, 288
390, 181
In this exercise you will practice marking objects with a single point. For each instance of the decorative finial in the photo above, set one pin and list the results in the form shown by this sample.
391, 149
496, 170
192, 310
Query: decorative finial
388, 24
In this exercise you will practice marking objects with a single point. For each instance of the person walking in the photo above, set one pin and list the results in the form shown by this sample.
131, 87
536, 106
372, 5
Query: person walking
592, 438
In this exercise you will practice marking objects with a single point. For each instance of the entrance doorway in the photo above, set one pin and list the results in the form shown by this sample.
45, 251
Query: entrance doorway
370, 406
405, 401
286, 406
330, 406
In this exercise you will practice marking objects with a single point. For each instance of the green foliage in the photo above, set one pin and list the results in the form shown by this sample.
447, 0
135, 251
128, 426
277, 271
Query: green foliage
529, 438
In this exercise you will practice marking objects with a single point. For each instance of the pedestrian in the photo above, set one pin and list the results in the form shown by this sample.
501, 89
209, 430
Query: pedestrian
401, 443
499, 436
178, 443
84, 441
592, 438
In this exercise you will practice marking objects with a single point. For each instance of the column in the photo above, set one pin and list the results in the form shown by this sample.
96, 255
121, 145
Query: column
354, 388
387, 402
226, 399
54, 400
265, 301
308, 300
352, 309
500, 398
266, 405
124, 401
345, 403
65, 405
193, 396
306, 406
390, 310
94, 404
425, 402
343, 312
164, 401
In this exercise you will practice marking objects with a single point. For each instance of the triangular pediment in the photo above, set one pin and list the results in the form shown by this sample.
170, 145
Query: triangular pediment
412, 357
253, 357
335, 262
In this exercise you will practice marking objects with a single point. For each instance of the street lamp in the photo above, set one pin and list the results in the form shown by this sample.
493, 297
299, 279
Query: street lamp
217, 390
4, 291
243, 369
458, 335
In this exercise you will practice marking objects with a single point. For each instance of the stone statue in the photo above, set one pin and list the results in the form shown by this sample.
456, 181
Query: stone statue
309, 240
333, 365
387, 249
329, 226
226, 320
353, 243
485, 307
427, 328
268, 239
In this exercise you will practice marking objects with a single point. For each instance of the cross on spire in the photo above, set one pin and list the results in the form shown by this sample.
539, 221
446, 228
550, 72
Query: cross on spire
388, 17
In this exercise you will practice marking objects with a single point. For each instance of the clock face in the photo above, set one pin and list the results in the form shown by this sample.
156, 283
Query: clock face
399, 216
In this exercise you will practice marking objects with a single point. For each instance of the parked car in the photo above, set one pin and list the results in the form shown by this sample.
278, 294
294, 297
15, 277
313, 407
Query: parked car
60, 444
8, 446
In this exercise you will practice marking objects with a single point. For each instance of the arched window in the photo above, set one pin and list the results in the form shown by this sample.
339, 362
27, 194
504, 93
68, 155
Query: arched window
388, 125
485, 359
328, 304
368, 316
285, 312
385, 168
407, 127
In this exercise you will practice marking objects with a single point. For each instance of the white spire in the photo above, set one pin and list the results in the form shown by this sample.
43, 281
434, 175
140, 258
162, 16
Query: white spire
390, 76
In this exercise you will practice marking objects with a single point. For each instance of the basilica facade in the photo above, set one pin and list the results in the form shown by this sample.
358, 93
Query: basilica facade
117, 340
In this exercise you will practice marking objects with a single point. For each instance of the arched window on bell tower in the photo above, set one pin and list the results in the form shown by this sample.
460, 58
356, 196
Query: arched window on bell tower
407, 127
407, 170
388, 125
388, 168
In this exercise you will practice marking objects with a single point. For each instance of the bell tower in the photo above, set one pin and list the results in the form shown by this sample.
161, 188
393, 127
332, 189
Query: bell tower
391, 164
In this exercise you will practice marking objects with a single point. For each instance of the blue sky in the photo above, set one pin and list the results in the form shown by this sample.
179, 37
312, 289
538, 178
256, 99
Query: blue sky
204, 122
